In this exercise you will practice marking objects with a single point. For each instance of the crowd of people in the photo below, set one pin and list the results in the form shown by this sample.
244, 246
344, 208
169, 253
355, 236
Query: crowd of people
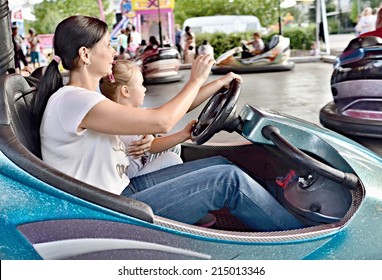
129, 40
131, 44
377, 31
27, 52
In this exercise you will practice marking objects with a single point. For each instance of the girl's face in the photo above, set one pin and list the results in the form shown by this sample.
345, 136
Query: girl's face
136, 90
101, 56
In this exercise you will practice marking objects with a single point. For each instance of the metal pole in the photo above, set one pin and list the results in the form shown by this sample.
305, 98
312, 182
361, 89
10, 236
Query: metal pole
279, 11
159, 26
325, 25
318, 22
101, 11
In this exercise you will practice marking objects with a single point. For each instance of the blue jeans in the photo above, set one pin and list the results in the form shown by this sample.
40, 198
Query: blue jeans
187, 192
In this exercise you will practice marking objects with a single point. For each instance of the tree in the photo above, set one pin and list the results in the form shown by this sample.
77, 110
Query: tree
50, 12
265, 10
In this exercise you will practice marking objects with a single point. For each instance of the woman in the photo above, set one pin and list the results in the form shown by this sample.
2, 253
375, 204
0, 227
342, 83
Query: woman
76, 136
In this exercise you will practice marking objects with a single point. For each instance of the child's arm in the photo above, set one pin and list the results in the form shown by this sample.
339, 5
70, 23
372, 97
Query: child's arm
164, 143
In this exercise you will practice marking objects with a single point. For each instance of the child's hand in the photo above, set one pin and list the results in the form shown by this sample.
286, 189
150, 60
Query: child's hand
186, 132
139, 147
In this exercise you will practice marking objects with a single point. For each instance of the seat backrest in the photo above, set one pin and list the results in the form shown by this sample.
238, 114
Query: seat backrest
362, 42
272, 43
16, 108
17, 144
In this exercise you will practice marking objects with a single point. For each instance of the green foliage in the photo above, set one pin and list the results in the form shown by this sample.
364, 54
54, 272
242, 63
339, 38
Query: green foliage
264, 9
50, 12
300, 38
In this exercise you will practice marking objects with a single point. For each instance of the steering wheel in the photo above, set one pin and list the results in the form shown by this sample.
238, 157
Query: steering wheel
218, 114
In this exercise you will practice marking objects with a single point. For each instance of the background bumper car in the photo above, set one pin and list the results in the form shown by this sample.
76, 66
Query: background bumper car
356, 84
160, 65
274, 58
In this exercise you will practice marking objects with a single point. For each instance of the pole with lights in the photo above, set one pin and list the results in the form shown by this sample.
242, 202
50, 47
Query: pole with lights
159, 25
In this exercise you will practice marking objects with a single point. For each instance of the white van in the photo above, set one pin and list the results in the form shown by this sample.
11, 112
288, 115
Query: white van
226, 24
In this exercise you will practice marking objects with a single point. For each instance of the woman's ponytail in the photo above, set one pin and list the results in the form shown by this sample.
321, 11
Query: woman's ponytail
49, 84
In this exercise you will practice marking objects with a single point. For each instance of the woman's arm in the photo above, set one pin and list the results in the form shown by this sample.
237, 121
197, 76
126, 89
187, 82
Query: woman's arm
209, 89
112, 118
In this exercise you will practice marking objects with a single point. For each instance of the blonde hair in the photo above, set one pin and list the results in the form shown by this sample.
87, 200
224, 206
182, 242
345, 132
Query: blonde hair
123, 71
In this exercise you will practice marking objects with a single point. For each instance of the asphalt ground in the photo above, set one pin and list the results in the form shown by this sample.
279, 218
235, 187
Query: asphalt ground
301, 92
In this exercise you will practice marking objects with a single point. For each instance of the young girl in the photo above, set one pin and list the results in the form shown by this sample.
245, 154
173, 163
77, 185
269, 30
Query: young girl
79, 130
125, 87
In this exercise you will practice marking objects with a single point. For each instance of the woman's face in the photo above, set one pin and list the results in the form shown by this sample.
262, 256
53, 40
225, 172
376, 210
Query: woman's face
101, 56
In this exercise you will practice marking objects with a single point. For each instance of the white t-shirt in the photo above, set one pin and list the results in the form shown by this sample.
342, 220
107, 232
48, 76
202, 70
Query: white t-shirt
135, 163
136, 37
95, 158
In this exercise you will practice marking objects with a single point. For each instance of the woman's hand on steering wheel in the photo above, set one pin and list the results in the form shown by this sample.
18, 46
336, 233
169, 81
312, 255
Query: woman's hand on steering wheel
201, 68
227, 78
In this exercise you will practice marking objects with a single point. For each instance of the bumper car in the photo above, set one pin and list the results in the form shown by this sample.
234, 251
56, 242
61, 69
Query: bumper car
273, 58
356, 84
160, 65
49, 215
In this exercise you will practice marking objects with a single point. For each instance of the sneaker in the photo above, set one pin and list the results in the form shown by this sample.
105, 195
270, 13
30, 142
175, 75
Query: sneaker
207, 221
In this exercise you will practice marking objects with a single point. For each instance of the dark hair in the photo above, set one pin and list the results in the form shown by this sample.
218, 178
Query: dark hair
71, 34
153, 41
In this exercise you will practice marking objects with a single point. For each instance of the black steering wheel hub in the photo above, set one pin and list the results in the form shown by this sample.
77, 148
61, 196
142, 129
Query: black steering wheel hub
219, 114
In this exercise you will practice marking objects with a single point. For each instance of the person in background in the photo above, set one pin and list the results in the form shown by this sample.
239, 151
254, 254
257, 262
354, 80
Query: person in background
141, 48
189, 55
18, 42
122, 54
206, 48
178, 38
378, 27
34, 43
257, 45
188, 40
366, 22
122, 40
189, 48
136, 38
153, 44
314, 50
166, 41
